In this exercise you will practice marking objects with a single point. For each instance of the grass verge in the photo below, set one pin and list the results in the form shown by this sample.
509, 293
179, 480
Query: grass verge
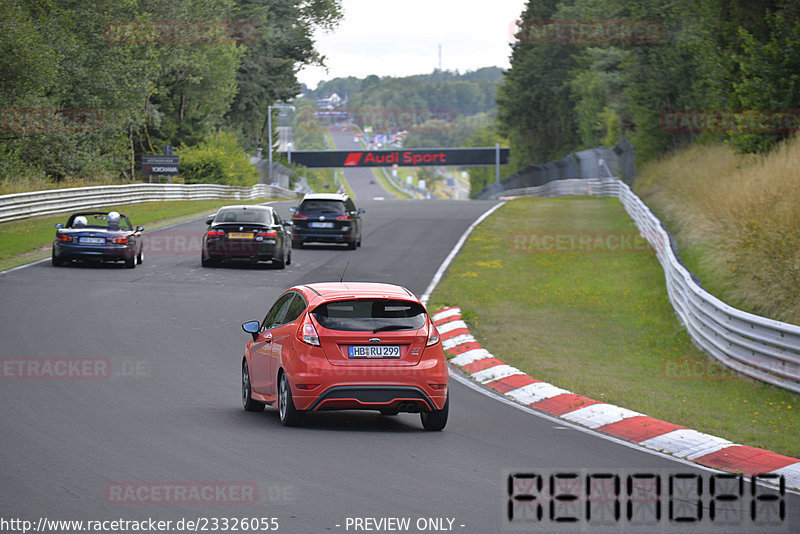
561, 289
29, 240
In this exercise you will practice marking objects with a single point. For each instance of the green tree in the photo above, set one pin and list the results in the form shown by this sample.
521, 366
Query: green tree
535, 105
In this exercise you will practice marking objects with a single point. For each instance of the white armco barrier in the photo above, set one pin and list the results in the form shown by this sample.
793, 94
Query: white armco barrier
23, 205
752, 345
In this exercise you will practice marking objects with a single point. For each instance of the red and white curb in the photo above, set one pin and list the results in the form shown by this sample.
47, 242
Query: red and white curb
710, 451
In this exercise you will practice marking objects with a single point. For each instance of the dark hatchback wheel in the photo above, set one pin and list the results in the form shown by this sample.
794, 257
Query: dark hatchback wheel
248, 403
286, 410
437, 419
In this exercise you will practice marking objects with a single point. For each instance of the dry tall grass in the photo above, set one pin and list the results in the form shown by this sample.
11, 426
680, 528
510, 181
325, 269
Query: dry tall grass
743, 212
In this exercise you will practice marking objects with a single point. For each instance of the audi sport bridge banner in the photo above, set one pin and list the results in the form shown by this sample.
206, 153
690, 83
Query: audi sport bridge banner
466, 157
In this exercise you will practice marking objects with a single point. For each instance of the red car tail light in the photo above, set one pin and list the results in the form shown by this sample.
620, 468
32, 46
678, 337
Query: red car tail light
343, 218
215, 233
433, 335
268, 234
64, 238
298, 216
308, 334
120, 240
306, 387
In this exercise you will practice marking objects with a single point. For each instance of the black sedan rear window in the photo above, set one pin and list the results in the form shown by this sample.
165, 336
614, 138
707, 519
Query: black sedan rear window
243, 216
370, 315
322, 207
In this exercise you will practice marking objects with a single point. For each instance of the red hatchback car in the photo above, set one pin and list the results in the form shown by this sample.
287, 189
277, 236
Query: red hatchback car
346, 346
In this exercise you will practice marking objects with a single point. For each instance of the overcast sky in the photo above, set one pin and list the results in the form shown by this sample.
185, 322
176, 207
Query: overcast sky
402, 37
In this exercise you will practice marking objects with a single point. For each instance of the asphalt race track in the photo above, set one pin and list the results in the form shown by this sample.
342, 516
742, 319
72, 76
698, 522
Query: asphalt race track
164, 411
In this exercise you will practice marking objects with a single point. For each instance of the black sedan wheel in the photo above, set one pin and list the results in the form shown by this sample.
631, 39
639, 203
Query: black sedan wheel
280, 263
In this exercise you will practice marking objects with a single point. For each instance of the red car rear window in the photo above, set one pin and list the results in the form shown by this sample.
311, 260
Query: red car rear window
364, 315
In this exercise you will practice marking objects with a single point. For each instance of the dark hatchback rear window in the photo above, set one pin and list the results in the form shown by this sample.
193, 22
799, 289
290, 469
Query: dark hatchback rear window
322, 207
370, 315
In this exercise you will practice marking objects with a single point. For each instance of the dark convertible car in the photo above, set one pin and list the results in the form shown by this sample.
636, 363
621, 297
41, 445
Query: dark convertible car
98, 236
250, 233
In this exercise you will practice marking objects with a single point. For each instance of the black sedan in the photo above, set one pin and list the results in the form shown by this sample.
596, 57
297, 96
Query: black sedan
250, 233
98, 236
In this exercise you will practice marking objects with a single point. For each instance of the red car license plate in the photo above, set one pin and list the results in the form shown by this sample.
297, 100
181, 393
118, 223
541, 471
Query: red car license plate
374, 351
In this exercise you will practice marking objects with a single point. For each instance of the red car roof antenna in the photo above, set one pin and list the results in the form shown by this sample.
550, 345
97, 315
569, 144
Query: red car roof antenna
345, 270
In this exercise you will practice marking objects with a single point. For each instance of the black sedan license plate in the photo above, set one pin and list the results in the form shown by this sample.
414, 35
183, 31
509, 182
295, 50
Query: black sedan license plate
374, 351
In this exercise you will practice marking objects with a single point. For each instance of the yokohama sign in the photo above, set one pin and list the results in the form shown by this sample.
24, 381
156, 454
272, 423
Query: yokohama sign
465, 157
159, 164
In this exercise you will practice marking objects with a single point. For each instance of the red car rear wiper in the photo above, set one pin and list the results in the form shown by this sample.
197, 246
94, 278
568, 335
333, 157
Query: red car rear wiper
387, 327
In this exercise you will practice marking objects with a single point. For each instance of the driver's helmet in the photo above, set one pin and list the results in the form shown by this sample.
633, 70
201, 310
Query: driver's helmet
79, 221
113, 219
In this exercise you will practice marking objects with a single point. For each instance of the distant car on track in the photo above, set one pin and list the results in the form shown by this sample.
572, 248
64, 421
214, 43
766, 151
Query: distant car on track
346, 346
326, 218
250, 232
98, 236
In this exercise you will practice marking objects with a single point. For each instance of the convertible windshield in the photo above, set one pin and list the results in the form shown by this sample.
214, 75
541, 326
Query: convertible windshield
370, 315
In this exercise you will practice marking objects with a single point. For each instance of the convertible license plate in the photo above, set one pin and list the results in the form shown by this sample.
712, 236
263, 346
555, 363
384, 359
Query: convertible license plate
241, 235
321, 225
374, 351
92, 240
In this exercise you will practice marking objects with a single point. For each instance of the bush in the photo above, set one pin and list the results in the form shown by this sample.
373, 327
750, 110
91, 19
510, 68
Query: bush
218, 159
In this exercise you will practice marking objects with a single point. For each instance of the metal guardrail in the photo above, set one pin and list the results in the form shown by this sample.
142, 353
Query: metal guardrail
24, 205
757, 347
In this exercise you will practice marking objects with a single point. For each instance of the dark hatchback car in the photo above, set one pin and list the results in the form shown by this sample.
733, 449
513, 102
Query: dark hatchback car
326, 218
98, 236
249, 233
